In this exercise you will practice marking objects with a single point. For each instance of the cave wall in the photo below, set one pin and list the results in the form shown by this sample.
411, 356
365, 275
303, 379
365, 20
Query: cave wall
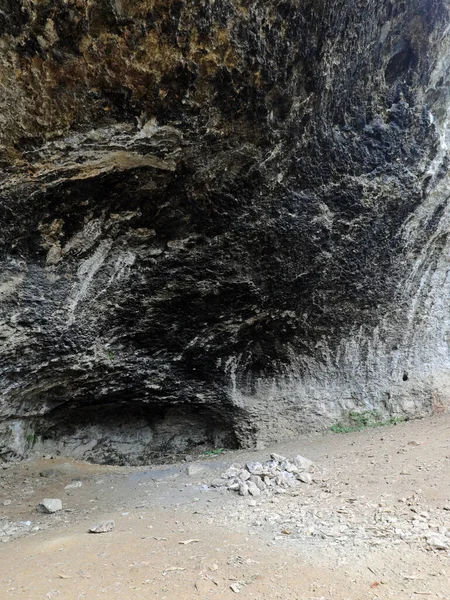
222, 222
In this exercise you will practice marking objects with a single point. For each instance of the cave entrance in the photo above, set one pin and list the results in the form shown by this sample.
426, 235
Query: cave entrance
132, 433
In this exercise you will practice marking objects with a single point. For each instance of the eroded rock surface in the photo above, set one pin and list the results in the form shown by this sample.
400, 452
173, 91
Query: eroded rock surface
221, 222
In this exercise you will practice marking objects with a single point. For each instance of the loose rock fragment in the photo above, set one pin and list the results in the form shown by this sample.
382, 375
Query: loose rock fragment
277, 475
303, 464
244, 475
231, 472
256, 479
438, 541
277, 457
50, 505
304, 477
253, 489
73, 485
103, 527
243, 489
217, 483
254, 467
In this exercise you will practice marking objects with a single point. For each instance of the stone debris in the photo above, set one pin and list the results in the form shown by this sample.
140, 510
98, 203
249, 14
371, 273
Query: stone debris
328, 514
103, 527
50, 505
73, 485
277, 475
438, 541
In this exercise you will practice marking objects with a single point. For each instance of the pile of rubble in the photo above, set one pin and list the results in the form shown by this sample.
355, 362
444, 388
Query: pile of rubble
276, 474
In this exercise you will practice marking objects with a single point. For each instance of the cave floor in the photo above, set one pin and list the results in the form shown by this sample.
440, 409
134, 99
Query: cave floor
368, 527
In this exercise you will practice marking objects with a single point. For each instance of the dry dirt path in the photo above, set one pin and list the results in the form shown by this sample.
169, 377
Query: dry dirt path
369, 526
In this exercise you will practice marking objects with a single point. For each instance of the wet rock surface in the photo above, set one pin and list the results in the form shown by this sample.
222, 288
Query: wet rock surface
221, 223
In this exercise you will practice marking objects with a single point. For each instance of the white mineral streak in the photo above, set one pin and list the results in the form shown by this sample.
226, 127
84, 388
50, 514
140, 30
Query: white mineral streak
86, 273
369, 370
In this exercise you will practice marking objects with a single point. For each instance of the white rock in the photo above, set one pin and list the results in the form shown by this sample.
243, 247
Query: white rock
258, 482
285, 480
73, 485
103, 527
304, 477
217, 483
289, 467
244, 475
254, 467
253, 489
302, 463
438, 541
231, 472
243, 489
278, 457
50, 505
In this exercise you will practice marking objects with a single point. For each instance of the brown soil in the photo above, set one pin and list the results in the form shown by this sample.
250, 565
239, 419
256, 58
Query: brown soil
360, 531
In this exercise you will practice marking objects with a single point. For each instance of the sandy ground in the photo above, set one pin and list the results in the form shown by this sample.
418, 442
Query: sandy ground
360, 531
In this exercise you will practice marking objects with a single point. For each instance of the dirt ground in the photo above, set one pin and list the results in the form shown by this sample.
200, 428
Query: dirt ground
374, 524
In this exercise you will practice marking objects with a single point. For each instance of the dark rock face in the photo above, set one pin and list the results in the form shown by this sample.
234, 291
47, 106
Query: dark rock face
221, 221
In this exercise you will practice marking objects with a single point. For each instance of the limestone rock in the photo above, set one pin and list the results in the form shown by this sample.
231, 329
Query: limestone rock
253, 489
103, 527
243, 489
73, 485
210, 212
303, 464
50, 505
438, 541
304, 477
277, 457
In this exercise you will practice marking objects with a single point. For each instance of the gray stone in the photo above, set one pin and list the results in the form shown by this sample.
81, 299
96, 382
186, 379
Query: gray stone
289, 467
50, 505
103, 527
438, 541
253, 489
303, 464
244, 475
73, 485
231, 472
256, 479
304, 477
218, 483
243, 489
277, 457
254, 467
285, 480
